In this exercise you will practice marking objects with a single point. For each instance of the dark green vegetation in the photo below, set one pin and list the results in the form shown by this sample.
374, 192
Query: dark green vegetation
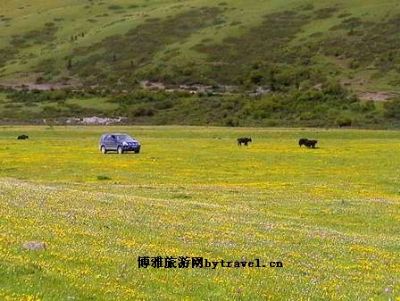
292, 63
121, 55
366, 43
330, 106
261, 55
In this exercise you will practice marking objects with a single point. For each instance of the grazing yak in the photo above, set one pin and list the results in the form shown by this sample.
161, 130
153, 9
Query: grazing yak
23, 137
244, 140
307, 143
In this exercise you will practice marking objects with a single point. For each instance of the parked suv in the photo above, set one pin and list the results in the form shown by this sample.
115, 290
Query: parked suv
118, 142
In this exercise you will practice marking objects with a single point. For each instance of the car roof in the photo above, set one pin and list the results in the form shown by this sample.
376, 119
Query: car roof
114, 134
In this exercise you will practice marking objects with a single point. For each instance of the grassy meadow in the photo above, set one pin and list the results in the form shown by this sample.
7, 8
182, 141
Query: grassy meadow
330, 214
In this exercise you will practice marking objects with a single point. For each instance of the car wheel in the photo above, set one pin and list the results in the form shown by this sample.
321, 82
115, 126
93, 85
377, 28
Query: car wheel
136, 151
120, 150
103, 149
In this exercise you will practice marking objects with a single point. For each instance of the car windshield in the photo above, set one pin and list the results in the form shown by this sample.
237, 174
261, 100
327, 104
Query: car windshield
126, 138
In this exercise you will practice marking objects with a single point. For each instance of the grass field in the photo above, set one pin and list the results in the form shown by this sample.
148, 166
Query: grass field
331, 214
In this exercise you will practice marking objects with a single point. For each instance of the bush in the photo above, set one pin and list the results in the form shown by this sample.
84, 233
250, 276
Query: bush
344, 121
392, 109
142, 112
231, 122
57, 95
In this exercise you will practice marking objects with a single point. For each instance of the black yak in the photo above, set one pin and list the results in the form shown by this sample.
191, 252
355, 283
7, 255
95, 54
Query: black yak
23, 137
244, 140
308, 143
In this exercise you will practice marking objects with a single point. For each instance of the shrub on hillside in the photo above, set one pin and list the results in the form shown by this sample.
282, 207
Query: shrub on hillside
344, 121
392, 109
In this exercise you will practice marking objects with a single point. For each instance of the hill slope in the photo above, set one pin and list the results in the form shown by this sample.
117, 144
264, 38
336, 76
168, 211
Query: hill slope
266, 46
199, 41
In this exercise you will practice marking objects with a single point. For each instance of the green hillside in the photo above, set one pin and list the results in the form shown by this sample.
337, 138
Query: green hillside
279, 49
